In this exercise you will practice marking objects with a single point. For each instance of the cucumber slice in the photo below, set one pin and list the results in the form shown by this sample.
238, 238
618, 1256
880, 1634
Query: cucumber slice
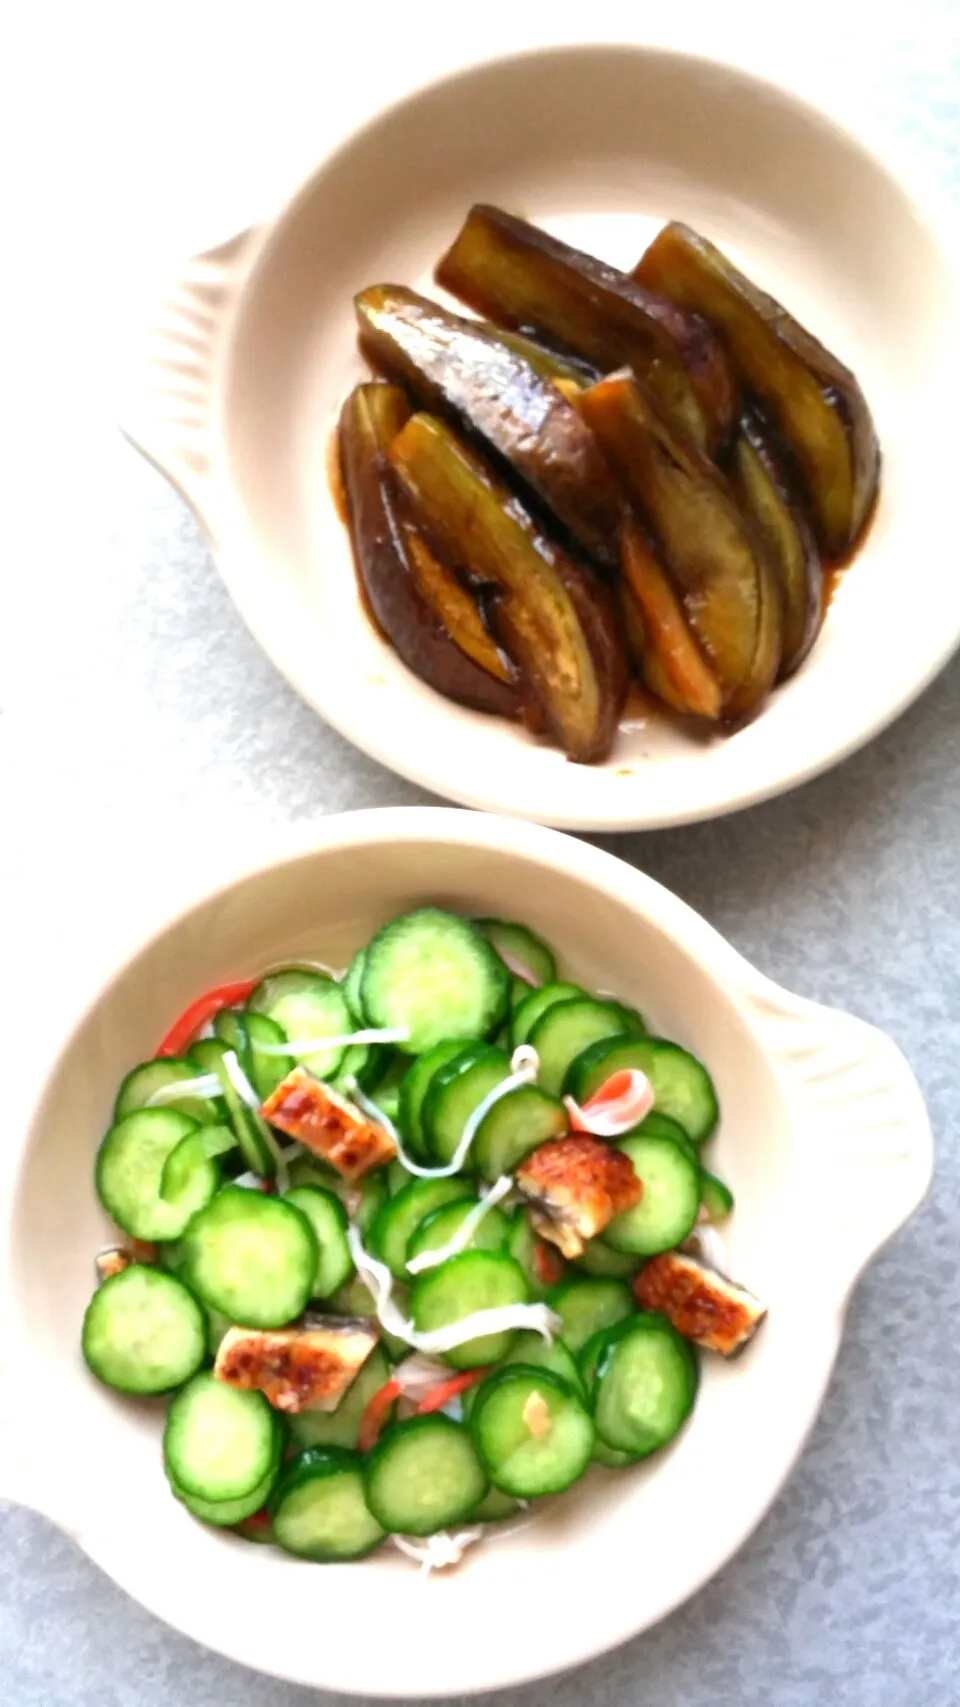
385, 1091
475, 1280
453, 1094
668, 1209
661, 1126
306, 1005
319, 1510
355, 1068
522, 1244
715, 1197
371, 1189
532, 1433
682, 1087
434, 974
342, 1426
245, 1034
414, 1087
253, 1257
397, 1176
646, 1385
225, 1514
596, 1065
522, 944
423, 1476
356, 1299
249, 1128
585, 1305
634, 1023
400, 1217
144, 1332
516, 1125
437, 1229
612, 1458
328, 1219
220, 1443
599, 1258
140, 1085
192, 1152
129, 1170
352, 981
534, 1352
495, 1507
535, 1004
564, 1031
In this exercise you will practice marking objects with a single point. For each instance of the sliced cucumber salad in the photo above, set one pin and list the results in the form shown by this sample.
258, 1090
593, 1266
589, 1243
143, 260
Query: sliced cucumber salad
400, 1241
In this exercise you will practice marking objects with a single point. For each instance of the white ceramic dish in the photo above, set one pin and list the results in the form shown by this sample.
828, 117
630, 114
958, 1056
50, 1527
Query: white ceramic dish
255, 348
807, 1095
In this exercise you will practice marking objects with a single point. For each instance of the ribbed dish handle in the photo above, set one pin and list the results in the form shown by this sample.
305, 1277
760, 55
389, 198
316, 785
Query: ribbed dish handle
167, 413
864, 1145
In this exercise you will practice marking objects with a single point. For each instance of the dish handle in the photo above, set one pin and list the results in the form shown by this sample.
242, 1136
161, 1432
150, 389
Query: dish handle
864, 1143
167, 413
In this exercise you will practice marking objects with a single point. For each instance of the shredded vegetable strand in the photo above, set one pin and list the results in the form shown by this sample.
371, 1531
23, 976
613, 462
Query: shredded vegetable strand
500, 1319
204, 1085
466, 1230
525, 1065
318, 1045
710, 1248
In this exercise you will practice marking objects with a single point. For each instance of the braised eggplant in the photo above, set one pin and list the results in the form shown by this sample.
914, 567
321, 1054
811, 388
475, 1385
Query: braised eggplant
521, 277
462, 369
671, 662
553, 616
709, 548
763, 486
814, 402
371, 417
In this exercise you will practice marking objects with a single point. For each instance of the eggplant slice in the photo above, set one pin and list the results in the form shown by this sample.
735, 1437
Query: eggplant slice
461, 369
710, 551
765, 491
814, 403
521, 277
371, 417
552, 615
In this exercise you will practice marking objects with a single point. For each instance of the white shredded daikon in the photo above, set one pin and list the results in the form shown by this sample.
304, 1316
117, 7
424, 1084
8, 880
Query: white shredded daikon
418, 1375
466, 1230
437, 1552
319, 1045
204, 1085
538, 1318
710, 1248
525, 1065
239, 1081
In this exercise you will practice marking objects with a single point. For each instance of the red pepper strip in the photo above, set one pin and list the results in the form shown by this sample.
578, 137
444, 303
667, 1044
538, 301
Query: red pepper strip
193, 1019
142, 1251
258, 1519
548, 1263
446, 1390
376, 1413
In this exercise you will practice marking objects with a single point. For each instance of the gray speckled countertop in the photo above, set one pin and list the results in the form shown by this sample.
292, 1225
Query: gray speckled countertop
153, 726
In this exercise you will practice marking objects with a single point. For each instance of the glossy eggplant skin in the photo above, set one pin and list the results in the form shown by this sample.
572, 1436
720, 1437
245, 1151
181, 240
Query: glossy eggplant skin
763, 487
814, 403
521, 277
552, 615
669, 658
709, 550
462, 370
371, 417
